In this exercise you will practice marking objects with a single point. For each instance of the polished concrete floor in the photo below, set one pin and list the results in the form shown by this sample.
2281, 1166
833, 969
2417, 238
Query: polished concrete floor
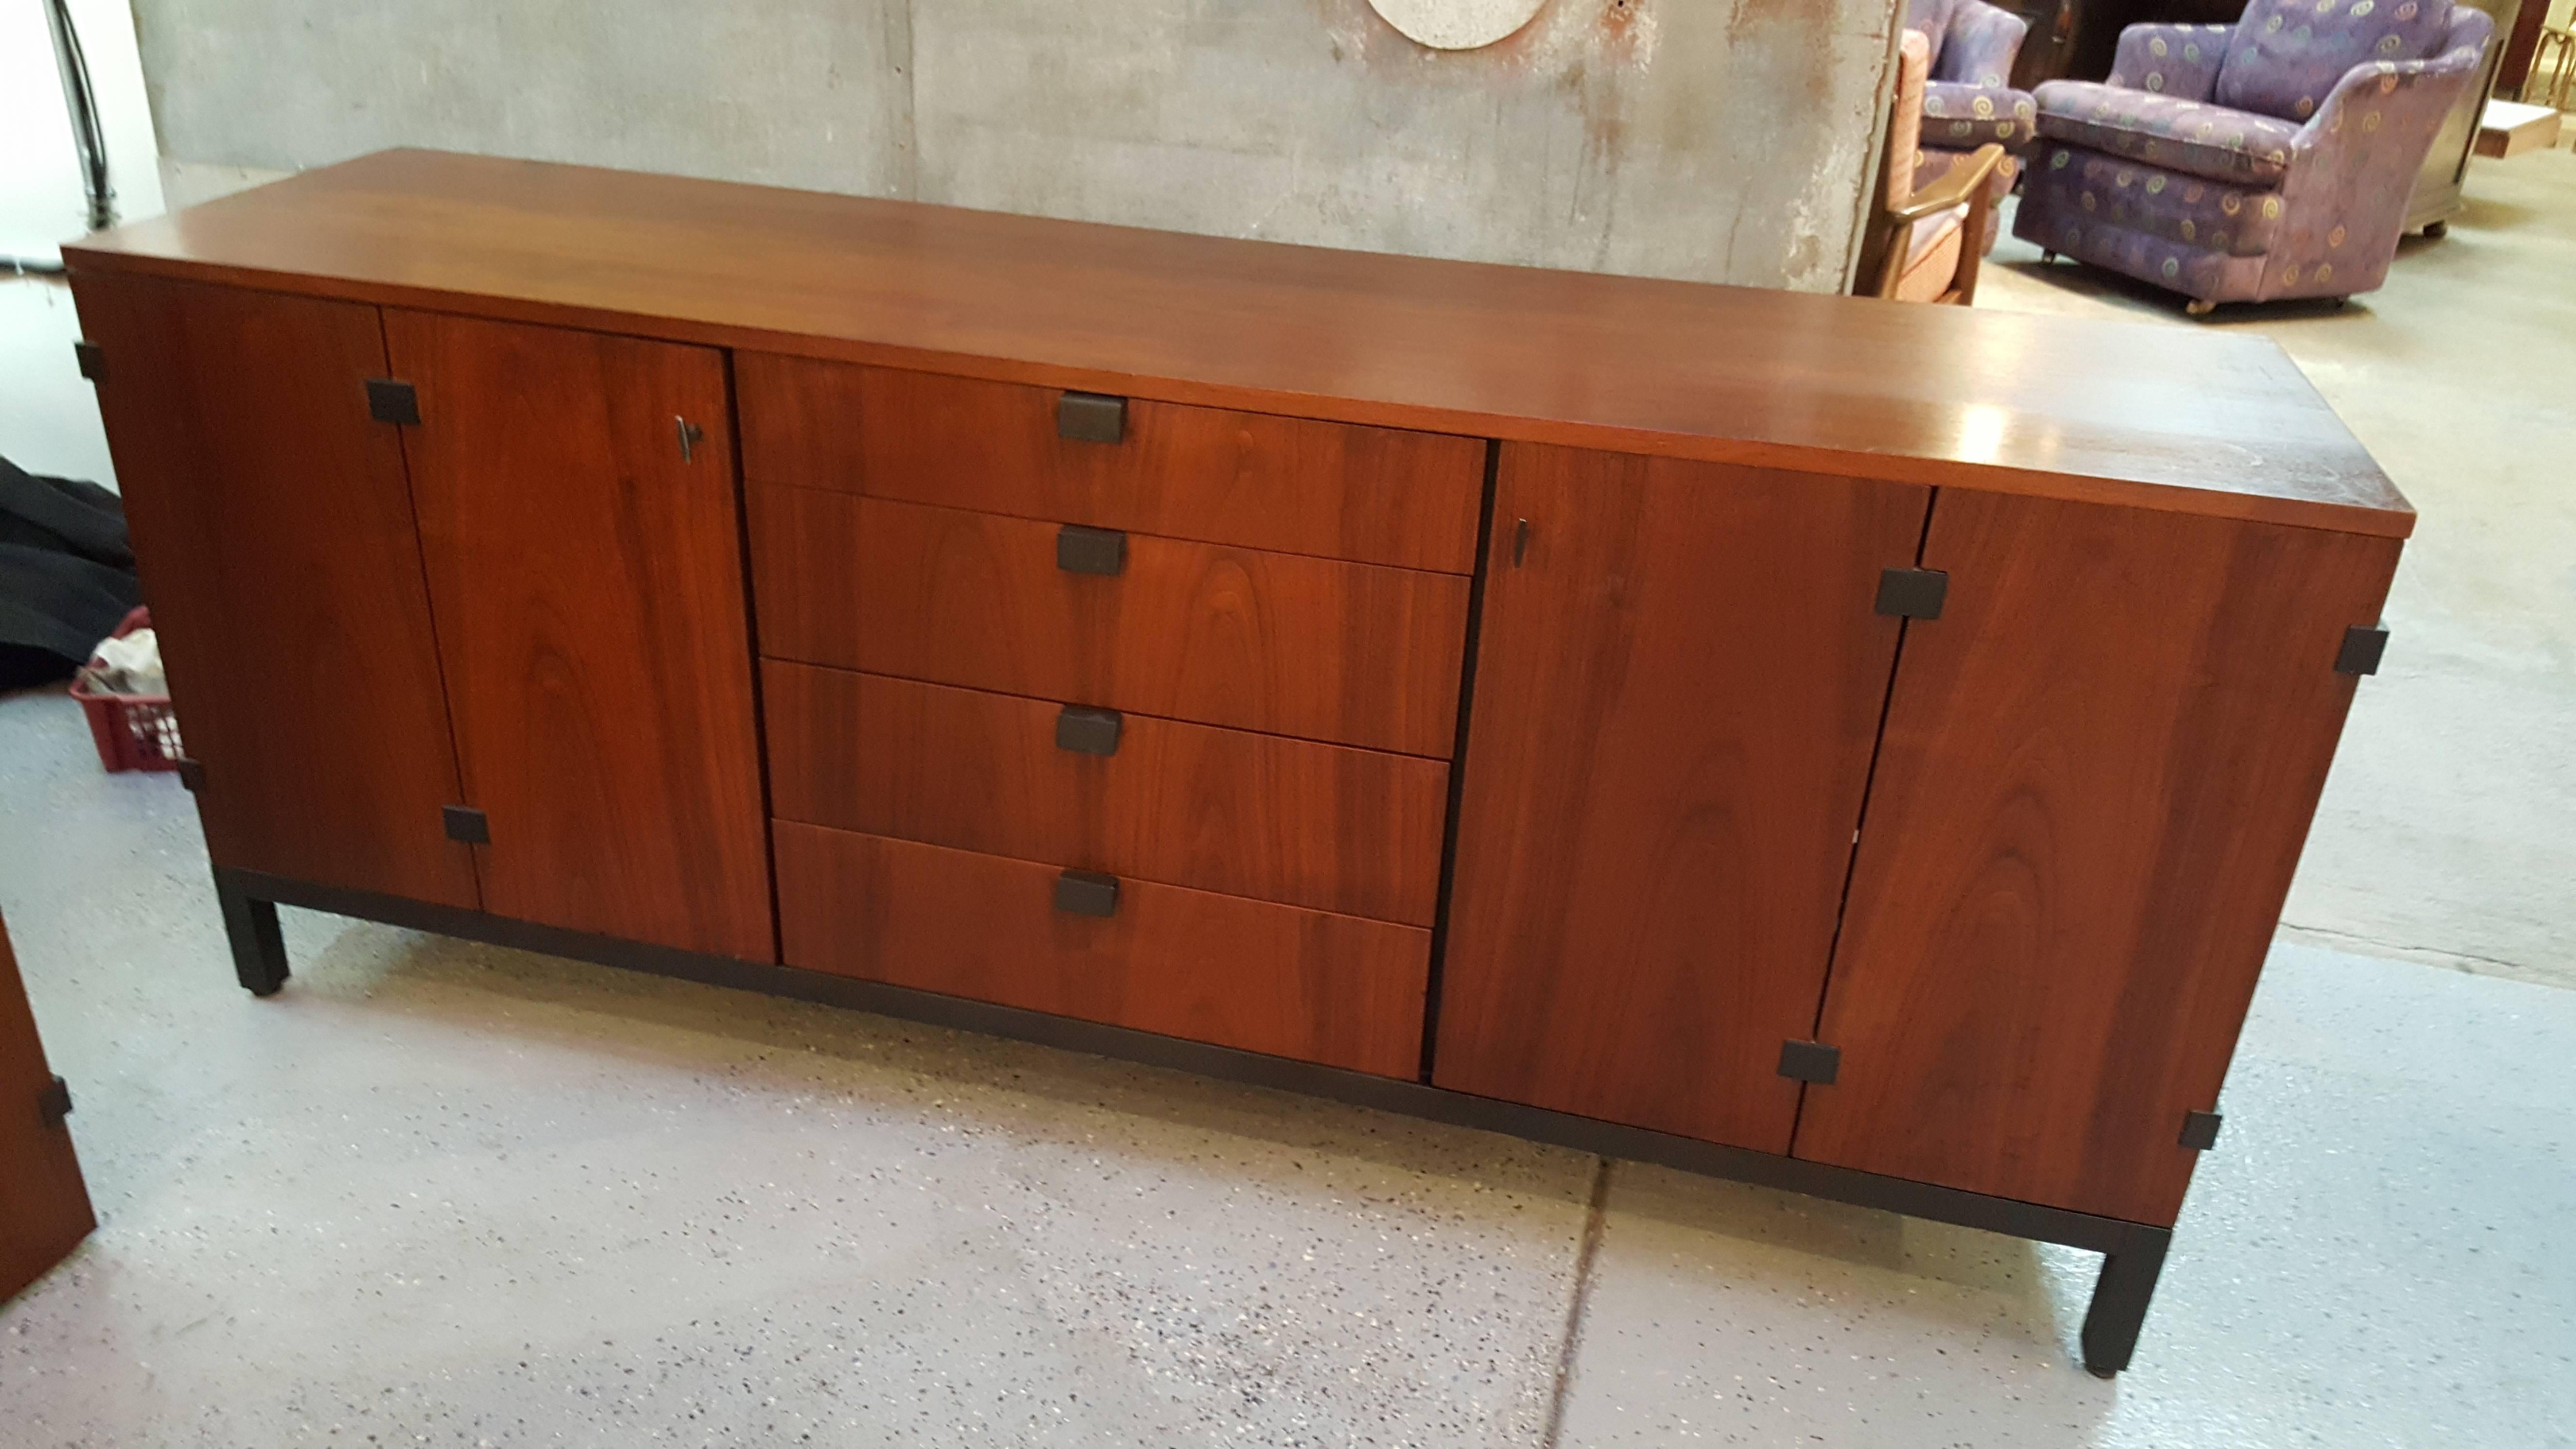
444, 1194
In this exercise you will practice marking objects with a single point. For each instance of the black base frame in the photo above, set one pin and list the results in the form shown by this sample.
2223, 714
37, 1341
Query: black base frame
2134, 1253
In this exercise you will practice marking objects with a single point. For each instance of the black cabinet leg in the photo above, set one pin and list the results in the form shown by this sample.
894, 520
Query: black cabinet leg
2120, 1299
259, 952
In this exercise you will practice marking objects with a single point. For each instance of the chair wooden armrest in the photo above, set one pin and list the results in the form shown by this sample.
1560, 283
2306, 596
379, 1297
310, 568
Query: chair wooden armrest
1965, 184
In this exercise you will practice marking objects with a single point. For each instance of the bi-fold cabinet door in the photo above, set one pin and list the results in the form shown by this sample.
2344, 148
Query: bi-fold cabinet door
453, 609
2022, 918
1678, 684
580, 524
2097, 773
272, 526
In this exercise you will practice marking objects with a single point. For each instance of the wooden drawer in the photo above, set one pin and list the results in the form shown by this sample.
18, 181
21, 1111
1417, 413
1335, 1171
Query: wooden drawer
1290, 485
1267, 978
1317, 648
1306, 824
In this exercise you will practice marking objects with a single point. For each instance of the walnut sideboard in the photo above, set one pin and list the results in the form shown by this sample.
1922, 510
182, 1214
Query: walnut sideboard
1816, 741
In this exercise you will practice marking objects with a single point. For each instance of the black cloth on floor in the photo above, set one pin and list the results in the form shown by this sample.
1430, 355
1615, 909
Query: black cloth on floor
66, 574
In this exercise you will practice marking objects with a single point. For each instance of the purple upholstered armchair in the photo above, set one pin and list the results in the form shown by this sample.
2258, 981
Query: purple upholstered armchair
2245, 163
1970, 101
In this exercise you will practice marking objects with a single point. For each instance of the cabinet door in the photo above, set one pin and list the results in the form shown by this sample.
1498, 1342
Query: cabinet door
585, 567
2098, 769
273, 528
44, 1209
1679, 679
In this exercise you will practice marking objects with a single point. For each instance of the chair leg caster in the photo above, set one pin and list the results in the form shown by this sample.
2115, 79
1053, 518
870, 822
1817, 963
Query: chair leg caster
2436, 230
2046, 256
2101, 1373
2197, 308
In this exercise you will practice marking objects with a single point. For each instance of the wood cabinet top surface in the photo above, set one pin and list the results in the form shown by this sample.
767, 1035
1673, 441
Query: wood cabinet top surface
2196, 420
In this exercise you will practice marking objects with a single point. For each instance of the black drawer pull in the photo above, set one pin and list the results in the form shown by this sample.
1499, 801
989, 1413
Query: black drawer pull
1091, 417
1080, 550
1087, 731
1086, 893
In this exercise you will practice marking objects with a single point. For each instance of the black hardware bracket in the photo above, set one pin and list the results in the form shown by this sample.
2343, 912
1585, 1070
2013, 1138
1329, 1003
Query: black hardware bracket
393, 402
92, 362
2200, 1130
1087, 731
466, 824
54, 1102
1086, 893
1810, 1061
1091, 417
1080, 550
1912, 593
192, 776
2363, 647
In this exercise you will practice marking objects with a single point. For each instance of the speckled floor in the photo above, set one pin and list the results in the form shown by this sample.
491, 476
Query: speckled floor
439, 1193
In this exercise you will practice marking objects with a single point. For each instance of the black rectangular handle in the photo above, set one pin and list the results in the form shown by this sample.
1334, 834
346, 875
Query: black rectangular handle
1086, 893
1080, 550
1087, 731
1091, 417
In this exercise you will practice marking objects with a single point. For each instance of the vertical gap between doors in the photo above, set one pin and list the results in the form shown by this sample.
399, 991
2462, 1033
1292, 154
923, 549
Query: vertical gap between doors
1458, 757
474, 854
1860, 822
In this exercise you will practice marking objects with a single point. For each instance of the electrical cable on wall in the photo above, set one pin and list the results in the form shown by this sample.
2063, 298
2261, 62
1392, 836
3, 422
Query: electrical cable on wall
82, 104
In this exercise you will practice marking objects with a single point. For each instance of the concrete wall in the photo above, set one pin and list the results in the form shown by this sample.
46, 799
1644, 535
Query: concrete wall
1720, 140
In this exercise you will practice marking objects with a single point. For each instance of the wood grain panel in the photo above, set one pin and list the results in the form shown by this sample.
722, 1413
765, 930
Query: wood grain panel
2199, 420
44, 1207
1291, 485
589, 591
1306, 824
2098, 770
272, 523
1351, 653
1678, 686
1249, 974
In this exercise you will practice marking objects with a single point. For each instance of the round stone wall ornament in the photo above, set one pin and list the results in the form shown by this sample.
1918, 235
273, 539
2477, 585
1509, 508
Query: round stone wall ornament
1457, 24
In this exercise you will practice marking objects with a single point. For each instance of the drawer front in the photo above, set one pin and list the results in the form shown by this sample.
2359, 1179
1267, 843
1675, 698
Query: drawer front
1305, 824
1266, 978
1315, 648
1290, 485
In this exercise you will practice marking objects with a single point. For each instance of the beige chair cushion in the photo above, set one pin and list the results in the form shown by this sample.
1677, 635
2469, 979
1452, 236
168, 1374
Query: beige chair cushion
1932, 256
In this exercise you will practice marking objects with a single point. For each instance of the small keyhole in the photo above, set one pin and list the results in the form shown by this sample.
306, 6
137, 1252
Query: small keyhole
690, 434
1520, 542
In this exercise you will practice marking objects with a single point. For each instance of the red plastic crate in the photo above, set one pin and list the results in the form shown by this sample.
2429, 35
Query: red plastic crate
133, 731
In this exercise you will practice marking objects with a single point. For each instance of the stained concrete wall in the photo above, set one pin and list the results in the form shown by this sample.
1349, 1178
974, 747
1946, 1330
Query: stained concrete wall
1719, 140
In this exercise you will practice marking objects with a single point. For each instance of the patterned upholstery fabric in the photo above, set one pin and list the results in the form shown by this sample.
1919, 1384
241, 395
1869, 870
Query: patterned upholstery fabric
1965, 117
2287, 54
2191, 136
2179, 61
2233, 220
2325, 224
1970, 100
